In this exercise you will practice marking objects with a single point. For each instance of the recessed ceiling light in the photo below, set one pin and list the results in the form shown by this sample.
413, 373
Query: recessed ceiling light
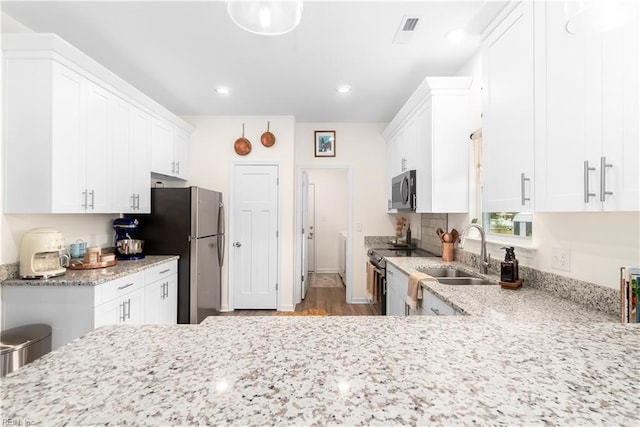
344, 89
455, 36
222, 90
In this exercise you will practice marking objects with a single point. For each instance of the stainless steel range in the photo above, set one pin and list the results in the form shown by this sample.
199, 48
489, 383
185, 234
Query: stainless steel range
377, 258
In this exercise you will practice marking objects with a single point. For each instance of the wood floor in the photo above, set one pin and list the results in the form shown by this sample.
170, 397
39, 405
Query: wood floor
330, 298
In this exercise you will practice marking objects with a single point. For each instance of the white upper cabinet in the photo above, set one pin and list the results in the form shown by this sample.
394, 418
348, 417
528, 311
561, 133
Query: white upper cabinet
76, 137
181, 153
99, 150
162, 148
508, 111
560, 114
586, 116
430, 134
130, 136
169, 150
57, 155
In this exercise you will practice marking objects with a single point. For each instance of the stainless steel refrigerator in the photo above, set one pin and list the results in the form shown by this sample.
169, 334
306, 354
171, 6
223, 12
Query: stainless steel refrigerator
189, 222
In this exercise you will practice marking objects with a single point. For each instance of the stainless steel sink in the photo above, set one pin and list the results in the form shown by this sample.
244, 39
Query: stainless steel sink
464, 281
445, 272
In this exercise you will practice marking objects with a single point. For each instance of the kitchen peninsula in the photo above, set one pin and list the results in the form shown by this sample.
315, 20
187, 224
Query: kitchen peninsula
456, 370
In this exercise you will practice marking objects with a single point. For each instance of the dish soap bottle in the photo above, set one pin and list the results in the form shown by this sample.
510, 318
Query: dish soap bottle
408, 240
509, 267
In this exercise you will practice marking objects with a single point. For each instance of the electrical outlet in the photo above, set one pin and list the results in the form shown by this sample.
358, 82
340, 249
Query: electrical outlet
561, 259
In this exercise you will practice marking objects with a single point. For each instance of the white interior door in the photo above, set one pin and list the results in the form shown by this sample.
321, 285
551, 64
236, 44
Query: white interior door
254, 250
304, 281
311, 218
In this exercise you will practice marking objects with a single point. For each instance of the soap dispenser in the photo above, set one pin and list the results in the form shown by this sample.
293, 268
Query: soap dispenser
509, 267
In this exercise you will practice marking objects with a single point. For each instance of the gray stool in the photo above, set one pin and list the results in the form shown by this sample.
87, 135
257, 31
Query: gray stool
21, 345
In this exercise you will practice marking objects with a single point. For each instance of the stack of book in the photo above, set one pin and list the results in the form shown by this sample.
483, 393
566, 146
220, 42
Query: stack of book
629, 294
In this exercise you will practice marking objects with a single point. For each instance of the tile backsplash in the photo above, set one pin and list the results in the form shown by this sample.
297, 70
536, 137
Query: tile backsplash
429, 240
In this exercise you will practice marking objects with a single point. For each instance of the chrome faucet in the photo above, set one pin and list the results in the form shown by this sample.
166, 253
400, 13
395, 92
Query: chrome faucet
484, 257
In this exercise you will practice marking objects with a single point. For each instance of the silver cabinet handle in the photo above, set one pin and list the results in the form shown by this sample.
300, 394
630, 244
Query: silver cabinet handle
138, 201
84, 196
129, 309
237, 244
93, 199
165, 271
603, 179
522, 188
173, 167
436, 311
390, 273
164, 290
587, 194
178, 168
133, 201
125, 286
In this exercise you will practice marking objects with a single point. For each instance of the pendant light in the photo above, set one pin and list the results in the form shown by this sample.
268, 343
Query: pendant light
269, 18
595, 16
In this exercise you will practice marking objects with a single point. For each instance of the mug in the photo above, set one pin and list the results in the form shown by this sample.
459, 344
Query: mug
78, 249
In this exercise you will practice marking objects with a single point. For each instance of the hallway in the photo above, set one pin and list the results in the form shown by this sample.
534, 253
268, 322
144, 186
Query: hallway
326, 292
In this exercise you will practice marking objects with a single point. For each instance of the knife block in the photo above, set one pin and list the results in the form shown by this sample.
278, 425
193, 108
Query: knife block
447, 251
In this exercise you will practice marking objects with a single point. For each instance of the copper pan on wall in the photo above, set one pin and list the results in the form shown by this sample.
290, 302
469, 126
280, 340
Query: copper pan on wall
268, 139
242, 146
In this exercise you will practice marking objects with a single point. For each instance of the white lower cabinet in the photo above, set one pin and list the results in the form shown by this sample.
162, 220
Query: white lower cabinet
127, 309
397, 284
148, 296
161, 294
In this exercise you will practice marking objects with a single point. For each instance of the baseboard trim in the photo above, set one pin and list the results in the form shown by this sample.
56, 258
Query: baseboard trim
327, 270
359, 300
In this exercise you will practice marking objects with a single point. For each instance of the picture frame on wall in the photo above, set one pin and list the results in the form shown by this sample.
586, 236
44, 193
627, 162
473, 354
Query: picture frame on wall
325, 143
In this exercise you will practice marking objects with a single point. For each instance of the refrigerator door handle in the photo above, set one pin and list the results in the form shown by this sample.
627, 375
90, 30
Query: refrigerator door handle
221, 239
221, 243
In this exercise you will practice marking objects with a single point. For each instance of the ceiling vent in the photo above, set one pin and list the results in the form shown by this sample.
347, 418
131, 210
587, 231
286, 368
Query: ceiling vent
406, 30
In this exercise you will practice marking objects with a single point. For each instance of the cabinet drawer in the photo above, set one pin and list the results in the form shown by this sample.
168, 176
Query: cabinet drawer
160, 271
434, 306
118, 287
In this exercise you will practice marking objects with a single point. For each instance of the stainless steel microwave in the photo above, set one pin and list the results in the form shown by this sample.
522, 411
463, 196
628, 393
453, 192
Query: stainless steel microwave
403, 191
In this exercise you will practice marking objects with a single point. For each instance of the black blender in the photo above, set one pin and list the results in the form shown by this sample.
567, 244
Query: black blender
128, 248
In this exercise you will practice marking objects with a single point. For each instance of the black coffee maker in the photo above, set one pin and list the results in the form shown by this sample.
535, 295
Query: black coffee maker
127, 246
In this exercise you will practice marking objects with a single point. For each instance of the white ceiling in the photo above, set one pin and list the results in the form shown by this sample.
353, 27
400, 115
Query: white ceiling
177, 52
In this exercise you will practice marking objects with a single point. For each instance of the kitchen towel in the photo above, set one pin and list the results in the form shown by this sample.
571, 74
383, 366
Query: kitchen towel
371, 282
414, 291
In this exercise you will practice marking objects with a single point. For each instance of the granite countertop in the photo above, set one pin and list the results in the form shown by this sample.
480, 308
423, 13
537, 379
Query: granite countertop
493, 302
95, 276
421, 370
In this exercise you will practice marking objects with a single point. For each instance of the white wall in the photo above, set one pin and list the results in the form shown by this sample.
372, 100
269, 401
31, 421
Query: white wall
599, 243
94, 229
211, 158
331, 216
361, 147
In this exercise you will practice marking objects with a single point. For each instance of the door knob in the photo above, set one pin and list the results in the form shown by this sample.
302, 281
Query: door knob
237, 244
